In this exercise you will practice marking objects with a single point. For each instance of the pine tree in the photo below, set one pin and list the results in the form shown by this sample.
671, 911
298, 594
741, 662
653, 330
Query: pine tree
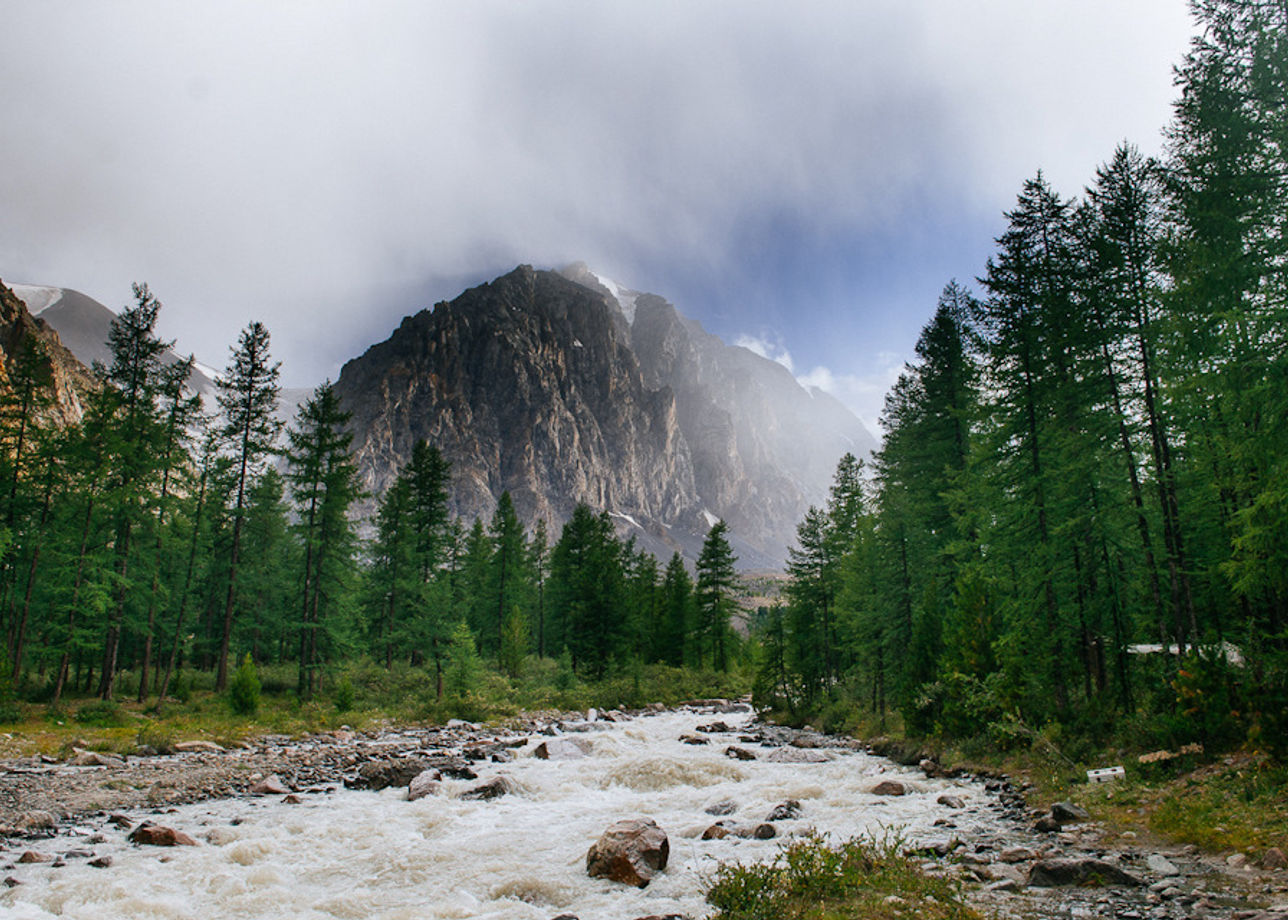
247, 396
324, 485
715, 589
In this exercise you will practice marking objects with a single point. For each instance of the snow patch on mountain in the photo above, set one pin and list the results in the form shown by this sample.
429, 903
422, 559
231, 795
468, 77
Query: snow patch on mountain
712, 520
625, 298
37, 297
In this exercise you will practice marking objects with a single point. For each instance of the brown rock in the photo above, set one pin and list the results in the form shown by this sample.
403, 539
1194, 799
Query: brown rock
951, 801
31, 856
716, 831
496, 787
425, 783
159, 836
764, 832
37, 821
102, 862
95, 759
631, 851
121, 821
1046, 825
269, 785
693, 739
292, 799
1274, 859
889, 787
739, 753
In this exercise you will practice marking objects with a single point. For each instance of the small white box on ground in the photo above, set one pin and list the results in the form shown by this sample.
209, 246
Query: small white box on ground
1106, 775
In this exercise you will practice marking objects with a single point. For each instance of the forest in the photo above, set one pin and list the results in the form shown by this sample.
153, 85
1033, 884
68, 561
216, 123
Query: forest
151, 537
1077, 521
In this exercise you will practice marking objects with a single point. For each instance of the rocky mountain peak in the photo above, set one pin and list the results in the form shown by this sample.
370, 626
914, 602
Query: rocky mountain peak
566, 387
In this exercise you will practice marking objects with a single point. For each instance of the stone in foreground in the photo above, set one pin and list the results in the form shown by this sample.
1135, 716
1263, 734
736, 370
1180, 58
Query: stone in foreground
631, 851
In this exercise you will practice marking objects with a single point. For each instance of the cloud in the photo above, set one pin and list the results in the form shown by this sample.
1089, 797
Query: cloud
326, 166
863, 393
773, 350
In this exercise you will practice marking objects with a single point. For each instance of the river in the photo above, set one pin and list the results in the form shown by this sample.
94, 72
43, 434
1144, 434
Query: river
361, 854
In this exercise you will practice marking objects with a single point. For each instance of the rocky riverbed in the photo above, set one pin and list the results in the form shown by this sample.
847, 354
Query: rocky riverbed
94, 813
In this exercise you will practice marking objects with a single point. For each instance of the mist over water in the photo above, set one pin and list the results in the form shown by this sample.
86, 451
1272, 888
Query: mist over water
362, 854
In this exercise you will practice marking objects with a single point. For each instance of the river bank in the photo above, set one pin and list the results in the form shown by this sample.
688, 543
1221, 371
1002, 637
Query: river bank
679, 764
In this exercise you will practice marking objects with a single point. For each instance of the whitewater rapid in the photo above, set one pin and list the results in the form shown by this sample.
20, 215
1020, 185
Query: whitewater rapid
360, 854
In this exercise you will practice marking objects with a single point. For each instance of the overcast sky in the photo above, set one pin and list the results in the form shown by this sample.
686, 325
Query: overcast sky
804, 177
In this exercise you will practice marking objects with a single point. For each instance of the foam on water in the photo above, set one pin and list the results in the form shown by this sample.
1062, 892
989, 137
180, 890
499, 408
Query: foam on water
373, 854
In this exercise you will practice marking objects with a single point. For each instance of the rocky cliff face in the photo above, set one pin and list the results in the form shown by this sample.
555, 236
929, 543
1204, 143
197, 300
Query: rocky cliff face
71, 379
561, 390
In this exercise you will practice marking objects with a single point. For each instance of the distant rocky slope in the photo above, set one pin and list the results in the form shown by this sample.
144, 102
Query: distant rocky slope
71, 379
83, 323
563, 388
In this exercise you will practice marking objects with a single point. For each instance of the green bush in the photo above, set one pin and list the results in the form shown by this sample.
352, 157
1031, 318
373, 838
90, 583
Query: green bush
345, 695
102, 713
243, 692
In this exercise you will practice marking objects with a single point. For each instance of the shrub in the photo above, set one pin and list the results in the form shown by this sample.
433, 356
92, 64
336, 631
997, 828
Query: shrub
345, 695
243, 692
102, 713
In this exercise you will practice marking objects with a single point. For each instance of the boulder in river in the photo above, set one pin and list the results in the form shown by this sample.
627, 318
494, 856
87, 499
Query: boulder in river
786, 811
380, 774
1054, 873
563, 749
889, 787
739, 753
425, 783
631, 851
496, 787
158, 836
950, 801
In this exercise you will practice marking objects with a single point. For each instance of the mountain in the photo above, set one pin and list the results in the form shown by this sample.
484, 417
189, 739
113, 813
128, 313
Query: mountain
565, 387
71, 379
82, 324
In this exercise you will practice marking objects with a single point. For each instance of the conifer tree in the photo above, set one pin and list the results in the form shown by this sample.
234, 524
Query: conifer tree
715, 589
324, 485
247, 396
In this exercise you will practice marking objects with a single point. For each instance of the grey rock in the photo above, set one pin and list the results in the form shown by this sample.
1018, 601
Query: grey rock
1052, 873
1159, 863
786, 811
1068, 813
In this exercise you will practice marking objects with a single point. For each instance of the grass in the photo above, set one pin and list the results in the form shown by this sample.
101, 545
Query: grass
361, 696
812, 879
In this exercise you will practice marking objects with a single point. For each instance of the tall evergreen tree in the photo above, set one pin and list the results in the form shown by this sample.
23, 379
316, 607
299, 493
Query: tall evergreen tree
715, 595
247, 396
324, 484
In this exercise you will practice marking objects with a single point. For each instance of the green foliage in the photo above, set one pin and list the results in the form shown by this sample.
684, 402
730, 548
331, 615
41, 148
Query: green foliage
345, 695
244, 690
103, 714
855, 880
464, 671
